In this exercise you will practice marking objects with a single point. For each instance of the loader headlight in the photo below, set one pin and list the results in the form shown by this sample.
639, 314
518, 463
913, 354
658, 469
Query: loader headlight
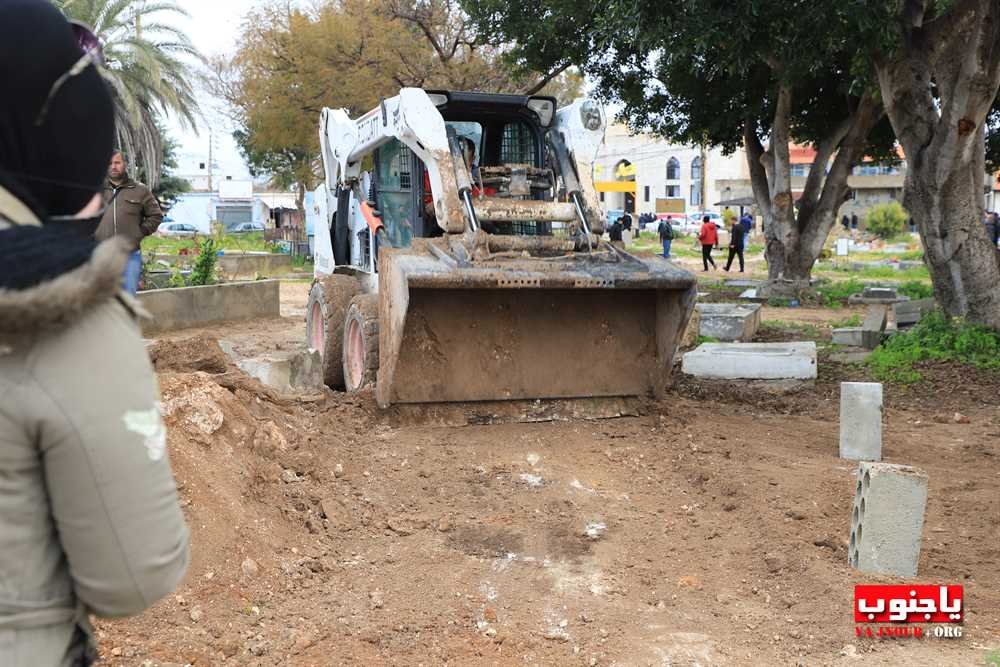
590, 115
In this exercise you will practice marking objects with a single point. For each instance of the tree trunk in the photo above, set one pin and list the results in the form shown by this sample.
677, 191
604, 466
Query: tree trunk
300, 198
962, 262
959, 53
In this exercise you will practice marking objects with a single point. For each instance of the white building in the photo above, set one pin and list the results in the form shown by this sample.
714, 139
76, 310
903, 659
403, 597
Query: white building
645, 174
232, 203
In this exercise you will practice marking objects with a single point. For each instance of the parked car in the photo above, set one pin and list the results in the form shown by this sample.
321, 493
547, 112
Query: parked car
176, 229
715, 218
245, 227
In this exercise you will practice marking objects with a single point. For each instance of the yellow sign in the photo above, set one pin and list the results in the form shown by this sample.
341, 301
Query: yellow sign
615, 186
625, 171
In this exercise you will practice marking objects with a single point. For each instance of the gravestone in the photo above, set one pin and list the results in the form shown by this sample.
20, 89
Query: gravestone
729, 321
752, 361
861, 421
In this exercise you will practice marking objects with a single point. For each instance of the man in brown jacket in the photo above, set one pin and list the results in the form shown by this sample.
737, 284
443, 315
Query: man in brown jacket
132, 212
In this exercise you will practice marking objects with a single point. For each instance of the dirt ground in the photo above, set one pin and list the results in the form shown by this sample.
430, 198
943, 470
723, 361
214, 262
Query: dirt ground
711, 529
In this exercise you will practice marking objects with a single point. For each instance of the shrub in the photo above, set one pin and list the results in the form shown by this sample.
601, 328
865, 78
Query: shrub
886, 220
203, 272
836, 293
936, 337
916, 289
729, 217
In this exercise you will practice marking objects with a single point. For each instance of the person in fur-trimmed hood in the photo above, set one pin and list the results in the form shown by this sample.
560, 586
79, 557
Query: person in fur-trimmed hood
89, 518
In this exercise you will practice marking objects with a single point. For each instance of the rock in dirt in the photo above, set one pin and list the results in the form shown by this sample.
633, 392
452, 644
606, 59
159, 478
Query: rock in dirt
250, 567
959, 418
196, 614
199, 353
774, 562
290, 477
849, 651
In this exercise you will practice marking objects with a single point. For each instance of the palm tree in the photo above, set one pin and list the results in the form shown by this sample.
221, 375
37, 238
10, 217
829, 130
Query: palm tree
150, 70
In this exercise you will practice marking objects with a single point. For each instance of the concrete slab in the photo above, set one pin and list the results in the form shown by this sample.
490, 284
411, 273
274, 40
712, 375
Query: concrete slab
729, 321
888, 519
909, 313
850, 336
854, 355
888, 293
743, 282
186, 307
752, 295
861, 421
294, 371
752, 361
873, 326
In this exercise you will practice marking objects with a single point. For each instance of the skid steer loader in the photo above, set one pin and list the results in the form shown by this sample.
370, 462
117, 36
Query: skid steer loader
463, 259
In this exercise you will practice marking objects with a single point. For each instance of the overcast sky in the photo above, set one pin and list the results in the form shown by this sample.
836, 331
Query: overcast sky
213, 26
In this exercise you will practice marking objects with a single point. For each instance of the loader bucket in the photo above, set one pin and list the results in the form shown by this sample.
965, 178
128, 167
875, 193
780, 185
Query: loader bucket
526, 325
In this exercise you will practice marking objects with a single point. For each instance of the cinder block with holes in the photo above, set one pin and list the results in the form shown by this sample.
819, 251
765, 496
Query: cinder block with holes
861, 421
888, 519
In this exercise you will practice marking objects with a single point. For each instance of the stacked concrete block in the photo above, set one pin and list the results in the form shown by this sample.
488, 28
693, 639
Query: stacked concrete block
729, 321
861, 421
752, 361
908, 313
887, 519
850, 336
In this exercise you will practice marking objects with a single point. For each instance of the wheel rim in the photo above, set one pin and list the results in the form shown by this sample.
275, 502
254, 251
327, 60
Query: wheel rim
355, 355
316, 335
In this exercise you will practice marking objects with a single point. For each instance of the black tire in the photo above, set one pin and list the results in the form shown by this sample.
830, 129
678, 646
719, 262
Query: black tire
328, 301
360, 346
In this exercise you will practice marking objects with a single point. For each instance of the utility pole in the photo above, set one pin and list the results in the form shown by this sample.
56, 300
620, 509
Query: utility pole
211, 141
704, 177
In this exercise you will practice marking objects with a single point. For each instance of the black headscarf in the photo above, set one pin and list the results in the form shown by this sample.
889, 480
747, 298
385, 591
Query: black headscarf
57, 167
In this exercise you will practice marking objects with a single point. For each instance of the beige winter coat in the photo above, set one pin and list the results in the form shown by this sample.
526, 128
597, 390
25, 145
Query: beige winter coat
89, 518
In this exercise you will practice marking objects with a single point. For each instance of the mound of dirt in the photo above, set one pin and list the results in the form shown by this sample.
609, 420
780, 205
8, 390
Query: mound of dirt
198, 353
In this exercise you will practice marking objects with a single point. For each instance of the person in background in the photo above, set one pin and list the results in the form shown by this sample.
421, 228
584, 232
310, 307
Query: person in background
615, 233
737, 236
709, 238
747, 221
626, 221
666, 232
132, 212
846, 223
854, 220
996, 227
89, 517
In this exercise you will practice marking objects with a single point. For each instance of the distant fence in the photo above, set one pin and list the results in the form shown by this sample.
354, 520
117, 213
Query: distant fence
294, 237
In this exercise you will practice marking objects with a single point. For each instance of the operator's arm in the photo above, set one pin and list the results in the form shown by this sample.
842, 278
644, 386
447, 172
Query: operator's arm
103, 446
152, 215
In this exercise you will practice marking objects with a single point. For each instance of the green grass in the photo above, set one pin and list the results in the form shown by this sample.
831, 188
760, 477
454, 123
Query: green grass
707, 339
835, 294
935, 337
808, 331
852, 321
916, 289
251, 242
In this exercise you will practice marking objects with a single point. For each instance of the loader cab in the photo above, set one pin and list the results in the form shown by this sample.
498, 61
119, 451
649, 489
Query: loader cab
508, 132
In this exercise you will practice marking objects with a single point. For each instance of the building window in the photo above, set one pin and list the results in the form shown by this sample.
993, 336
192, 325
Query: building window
201, 165
229, 178
602, 196
674, 191
673, 169
696, 182
801, 170
646, 193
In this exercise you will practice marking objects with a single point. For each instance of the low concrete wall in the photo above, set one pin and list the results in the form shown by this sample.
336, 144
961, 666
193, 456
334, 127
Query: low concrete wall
238, 266
185, 307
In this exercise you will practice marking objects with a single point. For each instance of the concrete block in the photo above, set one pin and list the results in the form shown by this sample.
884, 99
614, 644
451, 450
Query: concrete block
873, 326
301, 370
752, 361
853, 356
752, 295
729, 321
861, 421
850, 336
908, 313
743, 282
888, 519
185, 307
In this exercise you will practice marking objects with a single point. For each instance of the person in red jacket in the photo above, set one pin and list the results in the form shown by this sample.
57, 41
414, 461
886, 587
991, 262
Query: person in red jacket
709, 237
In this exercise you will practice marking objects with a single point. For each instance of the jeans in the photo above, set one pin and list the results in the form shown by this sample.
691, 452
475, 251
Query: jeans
133, 271
666, 247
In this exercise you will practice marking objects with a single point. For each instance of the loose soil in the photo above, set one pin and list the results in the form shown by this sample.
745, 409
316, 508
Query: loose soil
709, 530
